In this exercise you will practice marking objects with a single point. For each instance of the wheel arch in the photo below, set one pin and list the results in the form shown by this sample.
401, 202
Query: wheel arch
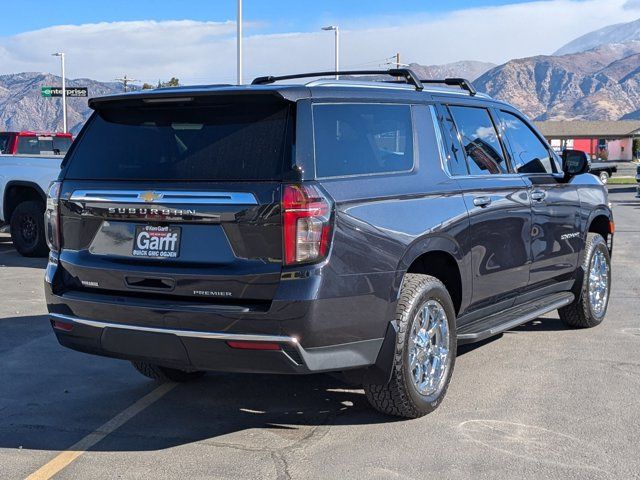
601, 222
18, 191
442, 258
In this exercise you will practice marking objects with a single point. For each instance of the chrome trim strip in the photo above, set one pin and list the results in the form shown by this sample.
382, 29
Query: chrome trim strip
164, 197
181, 333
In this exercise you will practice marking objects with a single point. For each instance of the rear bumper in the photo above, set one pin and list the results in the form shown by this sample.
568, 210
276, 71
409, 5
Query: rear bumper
321, 321
200, 350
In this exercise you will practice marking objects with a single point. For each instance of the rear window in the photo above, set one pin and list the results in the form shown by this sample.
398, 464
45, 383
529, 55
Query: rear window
230, 141
43, 145
361, 139
4, 142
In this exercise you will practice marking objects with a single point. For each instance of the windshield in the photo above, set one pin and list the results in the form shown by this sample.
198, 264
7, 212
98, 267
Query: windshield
233, 141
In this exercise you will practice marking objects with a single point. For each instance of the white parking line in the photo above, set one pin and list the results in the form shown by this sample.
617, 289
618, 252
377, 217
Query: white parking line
67, 457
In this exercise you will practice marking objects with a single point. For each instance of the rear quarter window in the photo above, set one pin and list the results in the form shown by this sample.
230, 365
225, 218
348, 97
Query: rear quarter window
362, 139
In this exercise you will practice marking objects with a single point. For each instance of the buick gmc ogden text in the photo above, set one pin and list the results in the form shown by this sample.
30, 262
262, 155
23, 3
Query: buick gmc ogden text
333, 226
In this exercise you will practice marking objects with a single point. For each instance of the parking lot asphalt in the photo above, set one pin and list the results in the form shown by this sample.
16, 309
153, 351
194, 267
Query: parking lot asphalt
625, 169
538, 402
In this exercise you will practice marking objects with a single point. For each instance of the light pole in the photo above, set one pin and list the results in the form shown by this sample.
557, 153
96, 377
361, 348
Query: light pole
64, 92
239, 40
336, 29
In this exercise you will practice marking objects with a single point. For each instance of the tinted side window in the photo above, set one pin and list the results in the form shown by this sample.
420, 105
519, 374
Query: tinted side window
356, 139
479, 140
530, 155
456, 161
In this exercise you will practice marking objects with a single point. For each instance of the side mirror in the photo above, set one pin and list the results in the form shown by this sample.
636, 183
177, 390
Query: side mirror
574, 162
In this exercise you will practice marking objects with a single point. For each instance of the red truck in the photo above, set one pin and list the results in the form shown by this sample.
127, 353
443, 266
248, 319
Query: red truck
34, 143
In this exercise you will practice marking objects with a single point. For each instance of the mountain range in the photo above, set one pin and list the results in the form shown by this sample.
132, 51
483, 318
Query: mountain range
618, 33
23, 108
594, 77
598, 84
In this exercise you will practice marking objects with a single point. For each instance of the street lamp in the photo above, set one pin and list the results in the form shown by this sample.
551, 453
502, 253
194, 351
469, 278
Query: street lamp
239, 42
336, 29
64, 93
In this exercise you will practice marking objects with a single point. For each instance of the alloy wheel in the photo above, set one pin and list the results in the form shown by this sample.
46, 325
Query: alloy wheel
599, 283
429, 356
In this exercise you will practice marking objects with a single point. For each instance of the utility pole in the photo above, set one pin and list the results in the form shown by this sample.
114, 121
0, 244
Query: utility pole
125, 81
64, 92
336, 30
397, 60
239, 42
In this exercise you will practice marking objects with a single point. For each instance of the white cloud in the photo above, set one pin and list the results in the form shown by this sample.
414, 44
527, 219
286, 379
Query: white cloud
204, 52
632, 5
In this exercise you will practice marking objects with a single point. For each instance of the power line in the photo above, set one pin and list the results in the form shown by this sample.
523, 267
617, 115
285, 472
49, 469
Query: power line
125, 81
378, 61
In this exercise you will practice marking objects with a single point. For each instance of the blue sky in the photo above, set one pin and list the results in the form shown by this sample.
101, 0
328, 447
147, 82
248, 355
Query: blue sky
194, 40
274, 15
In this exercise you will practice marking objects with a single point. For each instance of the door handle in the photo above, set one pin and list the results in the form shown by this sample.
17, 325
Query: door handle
538, 195
481, 201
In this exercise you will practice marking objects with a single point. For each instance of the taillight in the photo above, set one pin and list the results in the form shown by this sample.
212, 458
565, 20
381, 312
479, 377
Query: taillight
306, 222
52, 218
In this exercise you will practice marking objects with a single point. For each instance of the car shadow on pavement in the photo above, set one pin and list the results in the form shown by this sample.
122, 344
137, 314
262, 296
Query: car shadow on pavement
51, 397
55, 396
541, 325
260, 408
470, 347
11, 258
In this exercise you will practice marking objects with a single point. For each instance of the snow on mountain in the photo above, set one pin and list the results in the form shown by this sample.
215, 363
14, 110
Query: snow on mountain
619, 33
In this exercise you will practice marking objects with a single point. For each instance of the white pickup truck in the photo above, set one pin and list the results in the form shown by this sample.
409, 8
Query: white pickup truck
24, 181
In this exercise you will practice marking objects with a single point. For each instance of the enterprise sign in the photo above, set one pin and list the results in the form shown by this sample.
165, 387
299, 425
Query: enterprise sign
71, 91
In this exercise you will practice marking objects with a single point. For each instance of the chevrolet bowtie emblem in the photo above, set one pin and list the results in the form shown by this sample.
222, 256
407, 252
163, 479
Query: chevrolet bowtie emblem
149, 197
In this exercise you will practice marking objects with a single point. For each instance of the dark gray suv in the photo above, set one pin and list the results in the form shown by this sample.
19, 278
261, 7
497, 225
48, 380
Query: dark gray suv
352, 226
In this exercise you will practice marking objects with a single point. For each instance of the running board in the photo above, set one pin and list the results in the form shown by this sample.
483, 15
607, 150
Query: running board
511, 318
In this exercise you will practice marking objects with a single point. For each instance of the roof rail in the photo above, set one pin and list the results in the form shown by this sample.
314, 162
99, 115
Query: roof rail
407, 74
460, 82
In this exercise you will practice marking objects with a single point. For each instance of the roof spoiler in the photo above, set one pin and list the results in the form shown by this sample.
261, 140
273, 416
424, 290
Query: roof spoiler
177, 95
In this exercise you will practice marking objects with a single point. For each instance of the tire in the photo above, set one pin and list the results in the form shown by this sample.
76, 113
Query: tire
27, 229
166, 374
582, 313
604, 177
401, 396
